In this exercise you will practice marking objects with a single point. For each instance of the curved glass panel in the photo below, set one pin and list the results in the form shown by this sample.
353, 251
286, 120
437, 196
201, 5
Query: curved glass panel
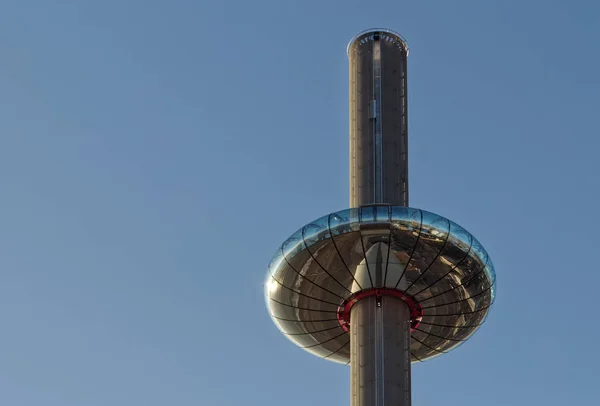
316, 231
453, 252
429, 346
442, 336
307, 265
490, 271
459, 321
466, 269
460, 238
313, 286
270, 287
341, 354
291, 327
293, 245
492, 274
432, 239
456, 250
306, 302
404, 235
275, 262
302, 330
441, 344
411, 218
302, 293
376, 247
375, 235
382, 214
284, 295
466, 305
309, 341
349, 247
328, 339
331, 344
434, 227
344, 221
326, 256
426, 284
481, 253
478, 283
281, 311
464, 334
367, 214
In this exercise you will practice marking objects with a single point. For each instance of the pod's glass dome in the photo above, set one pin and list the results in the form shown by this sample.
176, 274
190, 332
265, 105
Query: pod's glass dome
426, 256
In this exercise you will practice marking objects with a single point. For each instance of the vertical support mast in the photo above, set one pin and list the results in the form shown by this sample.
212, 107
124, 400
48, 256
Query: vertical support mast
379, 326
378, 119
380, 353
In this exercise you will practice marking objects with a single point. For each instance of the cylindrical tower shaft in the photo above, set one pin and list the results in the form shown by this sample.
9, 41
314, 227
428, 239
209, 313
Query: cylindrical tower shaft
378, 119
380, 352
379, 326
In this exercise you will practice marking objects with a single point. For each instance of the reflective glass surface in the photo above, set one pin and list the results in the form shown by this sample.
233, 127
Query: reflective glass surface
343, 221
293, 245
434, 260
454, 251
367, 214
316, 231
335, 274
382, 213
404, 236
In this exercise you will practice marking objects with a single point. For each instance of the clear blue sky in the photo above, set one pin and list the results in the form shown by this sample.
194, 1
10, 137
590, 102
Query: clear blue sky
153, 154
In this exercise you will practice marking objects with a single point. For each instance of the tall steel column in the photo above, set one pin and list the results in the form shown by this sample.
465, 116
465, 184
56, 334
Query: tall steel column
378, 119
380, 352
380, 326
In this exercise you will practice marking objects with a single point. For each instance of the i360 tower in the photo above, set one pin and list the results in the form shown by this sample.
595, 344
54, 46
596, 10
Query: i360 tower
380, 285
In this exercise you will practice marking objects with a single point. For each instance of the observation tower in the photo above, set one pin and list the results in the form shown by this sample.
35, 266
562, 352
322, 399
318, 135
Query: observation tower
379, 285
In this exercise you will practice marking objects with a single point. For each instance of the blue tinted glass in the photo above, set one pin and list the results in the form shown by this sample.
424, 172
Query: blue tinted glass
293, 245
460, 237
382, 213
344, 221
406, 217
367, 214
317, 231
437, 225
275, 262
482, 256
489, 270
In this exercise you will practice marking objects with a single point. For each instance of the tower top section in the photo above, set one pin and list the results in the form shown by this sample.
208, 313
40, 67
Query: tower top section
378, 118
384, 34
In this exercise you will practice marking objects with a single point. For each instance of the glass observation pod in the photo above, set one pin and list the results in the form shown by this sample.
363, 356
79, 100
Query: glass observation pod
437, 267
